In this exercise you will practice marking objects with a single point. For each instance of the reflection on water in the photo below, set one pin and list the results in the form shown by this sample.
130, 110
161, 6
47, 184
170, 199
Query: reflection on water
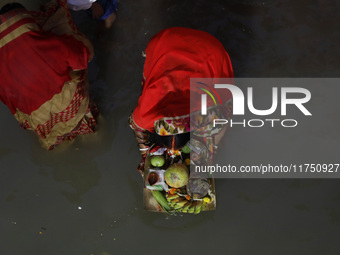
11, 196
249, 199
5, 151
73, 162
302, 207
77, 170
334, 215
81, 179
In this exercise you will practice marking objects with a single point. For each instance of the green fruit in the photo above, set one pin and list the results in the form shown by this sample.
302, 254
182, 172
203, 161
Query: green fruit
198, 207
176, 175
180, 204
204, 205
157, 161
192, 207
186, 149
172, 197
186, 206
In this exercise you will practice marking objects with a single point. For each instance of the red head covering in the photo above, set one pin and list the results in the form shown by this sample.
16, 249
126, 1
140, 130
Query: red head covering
173, 56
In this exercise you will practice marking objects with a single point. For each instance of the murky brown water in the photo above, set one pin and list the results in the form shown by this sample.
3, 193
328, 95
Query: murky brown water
85, 197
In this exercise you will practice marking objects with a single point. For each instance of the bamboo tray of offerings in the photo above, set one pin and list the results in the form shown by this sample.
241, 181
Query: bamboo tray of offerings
158, 196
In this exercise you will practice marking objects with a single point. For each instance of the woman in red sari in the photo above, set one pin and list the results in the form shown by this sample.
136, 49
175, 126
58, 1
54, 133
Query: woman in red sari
164, 115
44, 72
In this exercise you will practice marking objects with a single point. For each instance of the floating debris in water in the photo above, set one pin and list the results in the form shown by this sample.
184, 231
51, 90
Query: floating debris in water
79, 208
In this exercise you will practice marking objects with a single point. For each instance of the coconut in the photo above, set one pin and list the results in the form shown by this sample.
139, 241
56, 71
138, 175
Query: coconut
198, 188
176, 175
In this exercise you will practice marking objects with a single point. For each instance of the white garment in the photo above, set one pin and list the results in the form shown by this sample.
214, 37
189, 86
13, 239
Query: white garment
77, 5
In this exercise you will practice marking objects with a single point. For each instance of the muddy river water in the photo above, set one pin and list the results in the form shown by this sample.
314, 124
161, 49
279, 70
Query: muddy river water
85, 197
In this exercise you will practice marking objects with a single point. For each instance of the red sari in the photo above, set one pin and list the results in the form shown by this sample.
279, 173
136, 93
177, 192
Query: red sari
173, 56
44, 73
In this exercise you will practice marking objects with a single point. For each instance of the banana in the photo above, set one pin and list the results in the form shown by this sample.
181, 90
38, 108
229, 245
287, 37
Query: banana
198, 207
180, 204
171, 203
186, 207
192, 207
170, 197
175, 201
204, 205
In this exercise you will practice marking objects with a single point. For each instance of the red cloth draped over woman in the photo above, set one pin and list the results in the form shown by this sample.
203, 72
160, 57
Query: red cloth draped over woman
44, 73
173, 56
